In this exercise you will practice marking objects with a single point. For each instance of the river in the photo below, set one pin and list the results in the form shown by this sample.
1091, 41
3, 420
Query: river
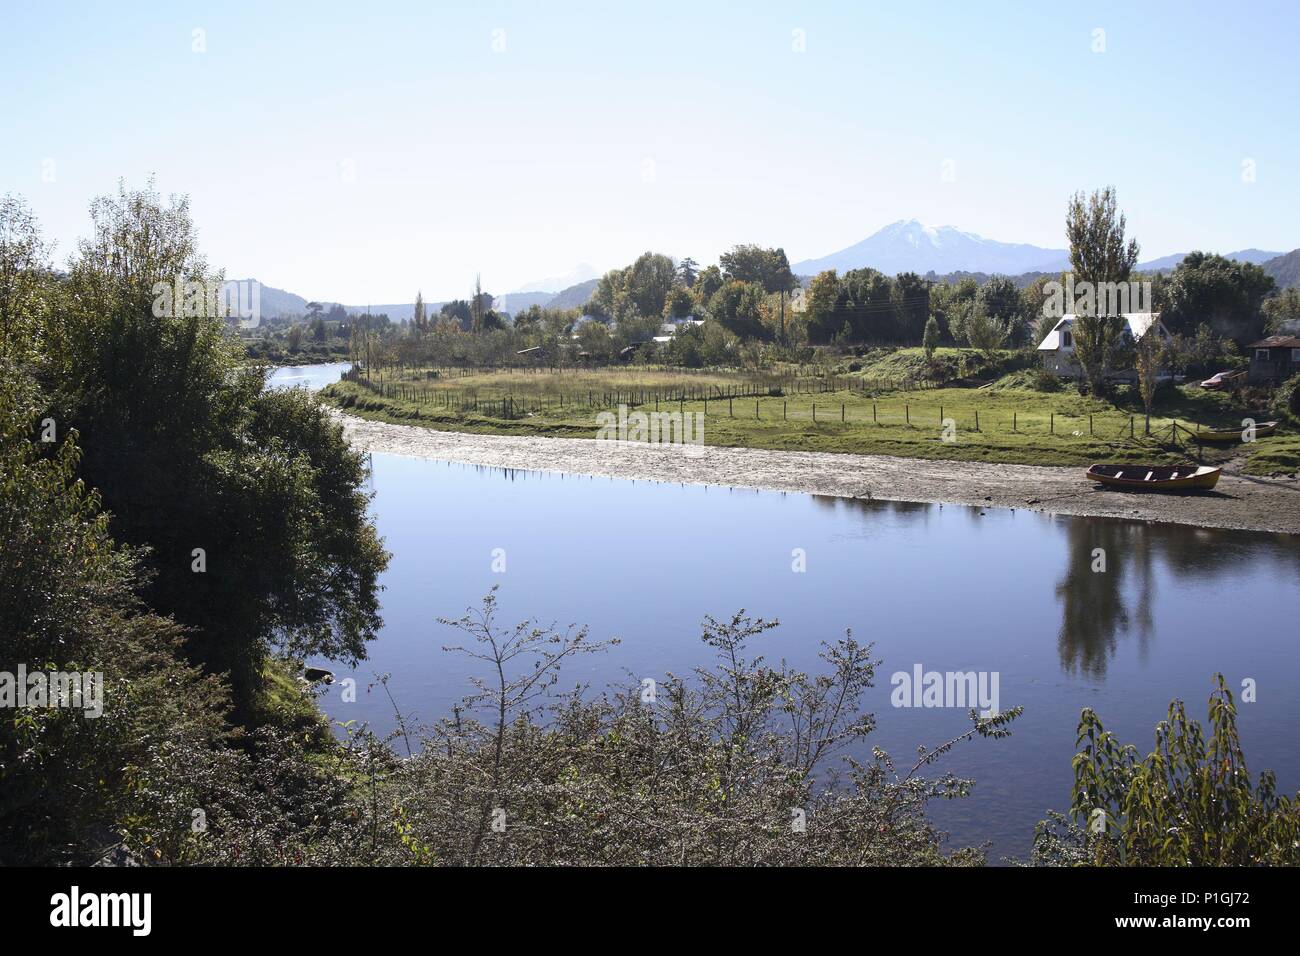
940, 587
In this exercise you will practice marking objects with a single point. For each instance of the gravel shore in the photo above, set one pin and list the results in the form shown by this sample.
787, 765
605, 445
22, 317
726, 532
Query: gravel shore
1253, 504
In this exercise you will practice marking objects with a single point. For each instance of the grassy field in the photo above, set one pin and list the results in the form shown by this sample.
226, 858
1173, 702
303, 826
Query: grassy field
1004, 422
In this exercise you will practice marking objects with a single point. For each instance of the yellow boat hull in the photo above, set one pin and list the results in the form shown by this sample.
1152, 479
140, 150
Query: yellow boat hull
1262, 430
1156, 477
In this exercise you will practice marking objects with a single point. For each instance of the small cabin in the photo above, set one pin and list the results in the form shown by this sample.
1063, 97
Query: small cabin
1057, 348
1274, 359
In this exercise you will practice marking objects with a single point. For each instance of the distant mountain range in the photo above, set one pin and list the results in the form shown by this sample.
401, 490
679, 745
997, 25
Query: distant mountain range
1285, 270
277, 303
578, 274
911, 246
575, 296
904, 246
1255, 257
274, 302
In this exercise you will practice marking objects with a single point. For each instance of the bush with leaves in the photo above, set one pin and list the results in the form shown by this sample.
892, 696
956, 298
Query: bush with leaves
1190, 802
726, 768
1286, 399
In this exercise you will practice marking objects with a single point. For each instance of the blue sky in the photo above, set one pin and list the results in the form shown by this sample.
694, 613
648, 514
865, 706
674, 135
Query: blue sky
357, 152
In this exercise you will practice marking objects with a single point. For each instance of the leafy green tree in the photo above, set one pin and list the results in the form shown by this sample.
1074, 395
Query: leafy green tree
1149, 357
67, 603
1000, 297
738, 307
607, 300
952, 302
985, 333
458, 311
649, 280
641, 289
419, 316
1098, 254
768, 267
1228, 294
823, 299
706, 284
687, 272
595, 340
477, 306
910, 295
250, 502
930, 340
1282, 311
868, 306
25, 276
678, 304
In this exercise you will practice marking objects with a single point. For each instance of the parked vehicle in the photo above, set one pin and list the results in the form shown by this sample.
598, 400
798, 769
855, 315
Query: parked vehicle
1225, 379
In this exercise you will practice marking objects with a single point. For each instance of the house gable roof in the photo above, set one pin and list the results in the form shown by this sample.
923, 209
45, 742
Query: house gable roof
1277, 342
1139, 323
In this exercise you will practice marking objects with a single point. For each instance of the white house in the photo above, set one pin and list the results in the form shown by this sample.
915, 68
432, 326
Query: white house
1057, 349
669, 329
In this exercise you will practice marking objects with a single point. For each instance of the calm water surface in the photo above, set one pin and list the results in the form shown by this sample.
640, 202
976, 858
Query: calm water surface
313, 377
950, 588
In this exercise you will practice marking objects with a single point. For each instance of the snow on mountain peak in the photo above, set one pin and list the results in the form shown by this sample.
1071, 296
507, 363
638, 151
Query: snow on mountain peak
909, 245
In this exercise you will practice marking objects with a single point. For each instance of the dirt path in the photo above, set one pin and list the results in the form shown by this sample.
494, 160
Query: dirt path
1253, 504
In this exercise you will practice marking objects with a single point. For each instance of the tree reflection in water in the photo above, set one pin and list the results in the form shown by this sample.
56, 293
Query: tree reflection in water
1098, 607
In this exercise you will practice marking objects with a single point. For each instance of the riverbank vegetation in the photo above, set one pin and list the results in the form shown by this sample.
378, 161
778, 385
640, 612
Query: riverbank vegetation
1014, 417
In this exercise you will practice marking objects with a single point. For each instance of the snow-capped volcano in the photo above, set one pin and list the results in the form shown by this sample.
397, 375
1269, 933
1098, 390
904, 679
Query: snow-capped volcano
912, 246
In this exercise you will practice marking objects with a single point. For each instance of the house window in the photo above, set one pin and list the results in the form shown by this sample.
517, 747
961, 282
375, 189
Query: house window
1067, 340
1295, 355
1261, 355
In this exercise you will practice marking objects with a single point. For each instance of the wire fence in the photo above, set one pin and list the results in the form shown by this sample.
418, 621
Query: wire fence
489, 397
793, 399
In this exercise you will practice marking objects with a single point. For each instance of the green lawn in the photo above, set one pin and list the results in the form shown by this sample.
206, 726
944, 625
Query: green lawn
997, 424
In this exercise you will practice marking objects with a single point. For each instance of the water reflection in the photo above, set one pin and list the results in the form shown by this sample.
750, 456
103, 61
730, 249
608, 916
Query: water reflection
1100, 557
1107, 590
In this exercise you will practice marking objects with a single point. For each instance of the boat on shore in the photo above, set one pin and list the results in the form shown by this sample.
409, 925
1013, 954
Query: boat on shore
1262, 429
1156, 477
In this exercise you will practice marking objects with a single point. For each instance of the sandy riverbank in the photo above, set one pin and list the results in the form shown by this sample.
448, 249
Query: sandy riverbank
1238, 502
